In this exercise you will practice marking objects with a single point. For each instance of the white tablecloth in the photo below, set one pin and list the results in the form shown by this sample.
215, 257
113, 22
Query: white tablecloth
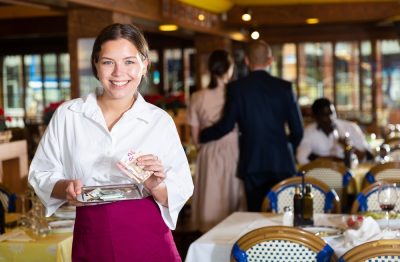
216, 244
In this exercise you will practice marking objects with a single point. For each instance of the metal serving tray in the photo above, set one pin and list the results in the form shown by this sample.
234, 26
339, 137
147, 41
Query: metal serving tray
109, 193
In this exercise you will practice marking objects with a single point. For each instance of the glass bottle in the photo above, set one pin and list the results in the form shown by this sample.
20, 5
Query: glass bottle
308, 202
348, 151
297, 207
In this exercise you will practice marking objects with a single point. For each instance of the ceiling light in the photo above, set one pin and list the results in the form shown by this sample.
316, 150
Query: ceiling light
255, 35
246, 15
201, 17
312, 21
168, 27
237, 36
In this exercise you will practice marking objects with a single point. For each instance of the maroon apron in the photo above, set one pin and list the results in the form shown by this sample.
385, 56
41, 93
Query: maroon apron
123, 231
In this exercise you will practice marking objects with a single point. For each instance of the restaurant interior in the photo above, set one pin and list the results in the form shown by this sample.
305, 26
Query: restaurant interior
345, 50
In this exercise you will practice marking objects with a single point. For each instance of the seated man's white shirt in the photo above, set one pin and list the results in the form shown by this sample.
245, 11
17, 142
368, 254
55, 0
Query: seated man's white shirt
317, 142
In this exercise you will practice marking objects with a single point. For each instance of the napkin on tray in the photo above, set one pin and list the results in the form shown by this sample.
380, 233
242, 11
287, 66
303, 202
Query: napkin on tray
17, 235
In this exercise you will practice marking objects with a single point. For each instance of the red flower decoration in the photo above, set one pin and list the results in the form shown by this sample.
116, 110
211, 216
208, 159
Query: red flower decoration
3, 117
53, 106
49, 111
172, 101
154, 98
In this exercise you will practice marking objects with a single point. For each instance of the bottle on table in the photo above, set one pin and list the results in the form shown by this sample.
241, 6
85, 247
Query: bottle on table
308, 206
348, 151
297, 207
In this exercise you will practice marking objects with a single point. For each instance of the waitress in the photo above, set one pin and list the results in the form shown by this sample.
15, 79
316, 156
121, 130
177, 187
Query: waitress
86, 138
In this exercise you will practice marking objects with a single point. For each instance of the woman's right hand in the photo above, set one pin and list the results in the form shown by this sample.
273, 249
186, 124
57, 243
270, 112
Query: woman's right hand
67, 189
74, 188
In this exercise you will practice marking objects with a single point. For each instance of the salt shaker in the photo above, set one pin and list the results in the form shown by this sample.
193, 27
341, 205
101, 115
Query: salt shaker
287, 216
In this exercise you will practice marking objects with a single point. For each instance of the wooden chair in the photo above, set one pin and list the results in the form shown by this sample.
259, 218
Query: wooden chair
367, 200
281, 243
180, 121
392, 141
392, 145
334, 174
325, 199
389, 170
394, 153
385, 250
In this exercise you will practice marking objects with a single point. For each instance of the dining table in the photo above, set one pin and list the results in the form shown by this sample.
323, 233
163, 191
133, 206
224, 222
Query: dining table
54, 247
217, 243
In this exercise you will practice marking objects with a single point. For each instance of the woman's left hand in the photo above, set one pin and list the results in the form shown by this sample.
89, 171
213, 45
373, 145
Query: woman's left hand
153, 164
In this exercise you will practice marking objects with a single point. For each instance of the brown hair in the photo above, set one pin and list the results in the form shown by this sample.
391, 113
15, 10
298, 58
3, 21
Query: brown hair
218, 64
115, 32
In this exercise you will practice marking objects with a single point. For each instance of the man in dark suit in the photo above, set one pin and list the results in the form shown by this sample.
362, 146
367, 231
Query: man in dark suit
270, 125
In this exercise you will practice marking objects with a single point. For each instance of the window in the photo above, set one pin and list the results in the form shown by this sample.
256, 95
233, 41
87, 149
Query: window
33, 77
366, 81
87, 82
315, 72
390, 55
42, 78
173, 81
346, 72
347, 77
289, 62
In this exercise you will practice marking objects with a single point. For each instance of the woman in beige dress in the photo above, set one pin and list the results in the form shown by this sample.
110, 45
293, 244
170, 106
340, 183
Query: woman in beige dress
218, 192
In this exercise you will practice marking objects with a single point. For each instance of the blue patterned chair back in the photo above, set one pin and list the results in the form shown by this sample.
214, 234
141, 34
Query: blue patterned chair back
367, 200
389, 170
281, 195
385, 250
332, 173
281, 243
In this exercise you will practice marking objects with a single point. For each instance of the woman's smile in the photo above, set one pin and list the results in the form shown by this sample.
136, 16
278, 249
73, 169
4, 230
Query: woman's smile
119, 84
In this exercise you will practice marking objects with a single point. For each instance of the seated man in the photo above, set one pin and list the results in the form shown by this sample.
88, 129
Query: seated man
326, 137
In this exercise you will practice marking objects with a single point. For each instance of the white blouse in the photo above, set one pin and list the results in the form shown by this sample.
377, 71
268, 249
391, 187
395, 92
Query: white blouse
78, 145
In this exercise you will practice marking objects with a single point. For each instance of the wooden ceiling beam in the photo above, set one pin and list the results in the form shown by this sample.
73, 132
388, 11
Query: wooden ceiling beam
146, 9
33, 27
18, 11
327, 13
326, 33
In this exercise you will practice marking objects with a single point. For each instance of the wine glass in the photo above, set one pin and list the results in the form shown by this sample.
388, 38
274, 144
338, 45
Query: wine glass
23, 220
387, 198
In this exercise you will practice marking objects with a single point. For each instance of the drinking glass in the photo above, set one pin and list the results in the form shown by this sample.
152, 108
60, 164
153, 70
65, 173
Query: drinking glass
23, 220
387, 197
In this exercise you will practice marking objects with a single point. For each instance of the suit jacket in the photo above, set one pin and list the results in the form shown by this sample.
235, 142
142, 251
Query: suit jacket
263, 106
